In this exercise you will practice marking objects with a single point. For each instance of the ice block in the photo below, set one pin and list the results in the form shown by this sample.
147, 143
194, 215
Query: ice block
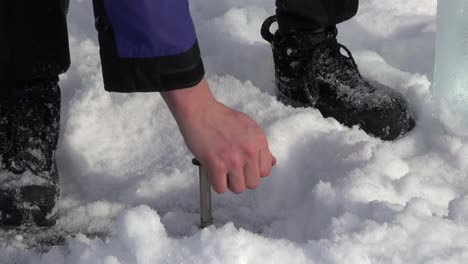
450, 88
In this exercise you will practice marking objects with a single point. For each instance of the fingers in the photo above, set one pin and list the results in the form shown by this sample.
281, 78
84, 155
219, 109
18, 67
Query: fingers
240, 170
236, 181
227, 175
239, 176
252, 174
217, 173
265, 162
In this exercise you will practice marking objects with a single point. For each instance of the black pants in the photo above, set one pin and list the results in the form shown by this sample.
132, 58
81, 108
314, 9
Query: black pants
33, 40
310, 14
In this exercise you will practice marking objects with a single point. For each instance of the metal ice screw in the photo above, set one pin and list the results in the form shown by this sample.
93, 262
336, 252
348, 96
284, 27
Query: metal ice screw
206, 216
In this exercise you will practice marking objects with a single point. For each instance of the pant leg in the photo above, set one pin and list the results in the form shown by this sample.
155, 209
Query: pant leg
34, 40
310, 14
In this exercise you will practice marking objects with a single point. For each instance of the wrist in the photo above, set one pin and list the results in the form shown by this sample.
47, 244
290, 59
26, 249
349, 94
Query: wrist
189, 101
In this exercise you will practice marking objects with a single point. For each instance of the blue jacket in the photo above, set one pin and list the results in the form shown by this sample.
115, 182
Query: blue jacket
145, 45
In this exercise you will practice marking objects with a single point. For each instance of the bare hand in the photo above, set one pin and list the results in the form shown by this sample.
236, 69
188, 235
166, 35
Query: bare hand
228, 143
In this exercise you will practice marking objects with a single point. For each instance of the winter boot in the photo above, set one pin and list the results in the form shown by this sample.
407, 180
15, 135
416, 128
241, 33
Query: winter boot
29, 130
311, 71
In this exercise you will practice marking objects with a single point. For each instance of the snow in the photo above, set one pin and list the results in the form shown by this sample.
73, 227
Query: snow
336, 195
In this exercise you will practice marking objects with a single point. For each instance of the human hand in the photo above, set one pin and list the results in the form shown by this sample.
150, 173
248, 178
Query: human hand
231, 146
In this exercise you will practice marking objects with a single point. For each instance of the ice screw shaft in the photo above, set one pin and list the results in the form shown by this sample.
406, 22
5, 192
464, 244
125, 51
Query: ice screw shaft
206, 215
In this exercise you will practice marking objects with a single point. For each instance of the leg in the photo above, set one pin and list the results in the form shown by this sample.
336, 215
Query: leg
35, 52
310, 14
34, 40
311, 71
29, 130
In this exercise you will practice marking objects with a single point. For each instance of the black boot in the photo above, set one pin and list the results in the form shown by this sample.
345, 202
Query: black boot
29, 130
310, 71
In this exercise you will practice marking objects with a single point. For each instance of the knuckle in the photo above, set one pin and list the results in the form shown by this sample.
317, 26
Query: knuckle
217, 165
234, 161
250, 151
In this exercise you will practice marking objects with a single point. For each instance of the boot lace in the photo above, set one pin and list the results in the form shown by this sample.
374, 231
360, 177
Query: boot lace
327, 40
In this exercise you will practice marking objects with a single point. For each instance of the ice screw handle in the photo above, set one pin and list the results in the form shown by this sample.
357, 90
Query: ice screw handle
206, 216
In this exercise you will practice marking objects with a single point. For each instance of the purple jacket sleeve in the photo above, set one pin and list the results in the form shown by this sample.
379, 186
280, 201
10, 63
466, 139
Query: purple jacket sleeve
147, 45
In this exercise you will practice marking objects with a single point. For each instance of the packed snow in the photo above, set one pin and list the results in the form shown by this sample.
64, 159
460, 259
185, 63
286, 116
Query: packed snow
336, 194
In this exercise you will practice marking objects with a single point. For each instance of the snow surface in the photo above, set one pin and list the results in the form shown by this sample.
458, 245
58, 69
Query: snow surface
336, 194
